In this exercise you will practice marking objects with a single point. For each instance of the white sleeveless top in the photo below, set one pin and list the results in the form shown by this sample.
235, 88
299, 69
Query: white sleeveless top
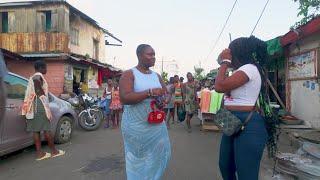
108, 93
144, 82
247, 94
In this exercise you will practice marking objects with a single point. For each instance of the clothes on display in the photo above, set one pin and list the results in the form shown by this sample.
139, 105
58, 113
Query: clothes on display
215, 101
205, 100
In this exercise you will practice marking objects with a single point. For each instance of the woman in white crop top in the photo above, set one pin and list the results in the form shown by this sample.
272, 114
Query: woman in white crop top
241, 154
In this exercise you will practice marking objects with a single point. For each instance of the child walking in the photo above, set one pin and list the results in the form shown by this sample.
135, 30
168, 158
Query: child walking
115, 105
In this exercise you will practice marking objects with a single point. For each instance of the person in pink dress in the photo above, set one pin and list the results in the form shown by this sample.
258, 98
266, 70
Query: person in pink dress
115, 105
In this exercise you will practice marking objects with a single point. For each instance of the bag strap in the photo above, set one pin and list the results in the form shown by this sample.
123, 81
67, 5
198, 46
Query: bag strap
152, 105
248, 119
251, 113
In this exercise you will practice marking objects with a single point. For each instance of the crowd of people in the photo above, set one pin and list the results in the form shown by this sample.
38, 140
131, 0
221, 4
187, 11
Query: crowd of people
148, 105
181, 101
146, 141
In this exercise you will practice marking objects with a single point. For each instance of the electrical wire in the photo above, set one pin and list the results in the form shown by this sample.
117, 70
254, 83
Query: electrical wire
260, 17
217, 40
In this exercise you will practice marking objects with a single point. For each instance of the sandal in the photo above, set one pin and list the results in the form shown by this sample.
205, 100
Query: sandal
60, 153
46, 156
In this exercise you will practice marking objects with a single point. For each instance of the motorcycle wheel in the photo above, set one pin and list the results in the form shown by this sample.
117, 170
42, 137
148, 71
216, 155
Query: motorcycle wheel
88, 123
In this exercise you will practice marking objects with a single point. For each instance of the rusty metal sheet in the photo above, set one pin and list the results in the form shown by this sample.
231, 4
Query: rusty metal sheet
35, 42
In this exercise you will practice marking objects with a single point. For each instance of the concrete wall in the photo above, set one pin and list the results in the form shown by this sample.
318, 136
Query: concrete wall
303, 96
87, 33
54, 76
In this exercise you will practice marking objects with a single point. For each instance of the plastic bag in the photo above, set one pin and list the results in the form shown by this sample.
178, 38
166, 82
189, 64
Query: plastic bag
181, 114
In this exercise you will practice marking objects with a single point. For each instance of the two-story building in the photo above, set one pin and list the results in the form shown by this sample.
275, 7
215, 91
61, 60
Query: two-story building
71, 43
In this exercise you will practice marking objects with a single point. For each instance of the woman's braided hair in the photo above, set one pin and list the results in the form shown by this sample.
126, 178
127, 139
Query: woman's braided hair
251, 50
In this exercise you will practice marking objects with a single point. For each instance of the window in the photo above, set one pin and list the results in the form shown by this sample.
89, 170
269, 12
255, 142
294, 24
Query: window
44, 21
4, 22
16, 87
48, 20
95, 49
74, 33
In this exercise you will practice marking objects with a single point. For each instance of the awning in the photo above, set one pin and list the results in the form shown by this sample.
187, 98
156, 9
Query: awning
274, 46
12, 55
96, 63
311, 27
275, 51
44, 55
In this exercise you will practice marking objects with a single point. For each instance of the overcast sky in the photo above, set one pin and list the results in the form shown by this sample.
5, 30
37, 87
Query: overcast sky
184, 30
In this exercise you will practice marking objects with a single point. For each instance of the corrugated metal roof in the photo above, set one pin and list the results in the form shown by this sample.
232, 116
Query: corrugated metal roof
15, 4
94, 62
11, 54
43, 55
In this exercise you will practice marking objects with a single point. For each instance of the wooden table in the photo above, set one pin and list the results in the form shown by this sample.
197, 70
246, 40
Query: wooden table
207, 123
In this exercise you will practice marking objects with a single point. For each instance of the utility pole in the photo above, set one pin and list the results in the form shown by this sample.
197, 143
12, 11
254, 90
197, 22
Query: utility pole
162, 65
114, 60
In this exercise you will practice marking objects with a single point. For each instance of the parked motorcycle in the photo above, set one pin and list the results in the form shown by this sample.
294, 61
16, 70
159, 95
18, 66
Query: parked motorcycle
90, 115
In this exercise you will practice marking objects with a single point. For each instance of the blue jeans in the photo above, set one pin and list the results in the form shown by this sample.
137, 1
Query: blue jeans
241, 154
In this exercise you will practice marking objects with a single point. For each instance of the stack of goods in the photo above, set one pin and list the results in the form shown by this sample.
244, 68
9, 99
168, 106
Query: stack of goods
305, 164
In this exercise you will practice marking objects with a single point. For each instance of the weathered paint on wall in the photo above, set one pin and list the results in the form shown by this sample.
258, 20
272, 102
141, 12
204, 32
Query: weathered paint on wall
305, 101
304, 95
87, 34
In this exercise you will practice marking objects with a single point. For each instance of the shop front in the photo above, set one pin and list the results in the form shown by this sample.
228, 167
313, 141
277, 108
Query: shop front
302, 72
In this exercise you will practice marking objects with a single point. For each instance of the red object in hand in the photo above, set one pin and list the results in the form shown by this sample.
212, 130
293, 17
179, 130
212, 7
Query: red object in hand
155, 116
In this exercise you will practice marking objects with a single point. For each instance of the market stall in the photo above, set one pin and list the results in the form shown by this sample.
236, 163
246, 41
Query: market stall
210, 102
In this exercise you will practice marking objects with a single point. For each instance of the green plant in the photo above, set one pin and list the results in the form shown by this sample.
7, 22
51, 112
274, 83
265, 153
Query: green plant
164, 76
198, 73
308, 9
212, 74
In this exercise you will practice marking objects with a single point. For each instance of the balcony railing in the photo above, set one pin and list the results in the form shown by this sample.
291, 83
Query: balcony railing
42, 42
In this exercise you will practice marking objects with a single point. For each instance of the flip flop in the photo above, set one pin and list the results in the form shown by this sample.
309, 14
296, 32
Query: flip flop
61, 153
46, 156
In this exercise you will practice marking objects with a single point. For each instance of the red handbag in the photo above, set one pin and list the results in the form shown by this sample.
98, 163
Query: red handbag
155, 116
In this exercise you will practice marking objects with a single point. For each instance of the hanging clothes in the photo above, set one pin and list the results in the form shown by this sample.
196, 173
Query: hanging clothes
205, 100
215, 101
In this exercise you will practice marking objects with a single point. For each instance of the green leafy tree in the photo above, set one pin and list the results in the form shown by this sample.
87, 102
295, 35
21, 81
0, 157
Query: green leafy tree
308, 9
212, 74
198, 73
164, 76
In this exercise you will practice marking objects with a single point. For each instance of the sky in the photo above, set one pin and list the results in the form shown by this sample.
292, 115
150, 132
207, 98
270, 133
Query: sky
184, 31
